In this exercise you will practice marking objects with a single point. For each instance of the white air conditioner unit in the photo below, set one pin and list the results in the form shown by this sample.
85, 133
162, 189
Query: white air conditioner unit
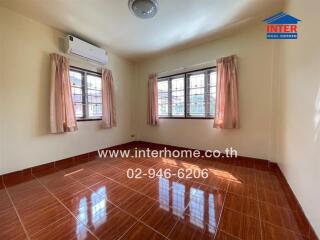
78, 47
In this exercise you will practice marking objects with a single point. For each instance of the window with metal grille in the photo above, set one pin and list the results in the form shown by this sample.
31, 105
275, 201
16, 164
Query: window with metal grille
86, 94
187, 95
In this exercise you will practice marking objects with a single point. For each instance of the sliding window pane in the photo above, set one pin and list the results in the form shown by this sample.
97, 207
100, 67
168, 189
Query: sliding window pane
77, 93
76, 79
177, 90
163, 98
93, 82
212, 91
190, 94
95, 110
94, 99
76, 86
94, 93
77, 96
86, 93
94, 96
78, 107
197, 95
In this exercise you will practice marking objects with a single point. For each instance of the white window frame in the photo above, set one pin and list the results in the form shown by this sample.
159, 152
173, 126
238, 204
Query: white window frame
207, 93
84, 86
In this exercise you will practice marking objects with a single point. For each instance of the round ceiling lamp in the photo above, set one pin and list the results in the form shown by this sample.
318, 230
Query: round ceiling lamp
143, 8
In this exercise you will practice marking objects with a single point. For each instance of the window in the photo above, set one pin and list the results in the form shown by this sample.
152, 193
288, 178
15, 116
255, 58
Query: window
86, 94
188, 95
171, 96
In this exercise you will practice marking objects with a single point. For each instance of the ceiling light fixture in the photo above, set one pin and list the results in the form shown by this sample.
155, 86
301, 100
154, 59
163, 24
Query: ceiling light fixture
143, 8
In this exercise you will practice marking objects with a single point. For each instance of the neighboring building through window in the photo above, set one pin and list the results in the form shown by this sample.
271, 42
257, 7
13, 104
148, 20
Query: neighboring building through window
86, 93
187, 95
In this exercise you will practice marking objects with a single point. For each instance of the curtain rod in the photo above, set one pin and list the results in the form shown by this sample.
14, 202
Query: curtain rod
212, 63
79, 60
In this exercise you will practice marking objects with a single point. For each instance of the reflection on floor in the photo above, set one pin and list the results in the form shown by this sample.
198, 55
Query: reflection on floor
240, 199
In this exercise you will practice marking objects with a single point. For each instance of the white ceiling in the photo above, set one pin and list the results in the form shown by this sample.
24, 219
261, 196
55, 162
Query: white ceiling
109, 23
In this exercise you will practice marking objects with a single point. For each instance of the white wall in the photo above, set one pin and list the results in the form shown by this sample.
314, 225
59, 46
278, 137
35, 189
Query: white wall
25, 141
298, 139
255, 83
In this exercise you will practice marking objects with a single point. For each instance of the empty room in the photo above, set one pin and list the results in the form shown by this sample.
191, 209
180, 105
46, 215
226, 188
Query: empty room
159, 119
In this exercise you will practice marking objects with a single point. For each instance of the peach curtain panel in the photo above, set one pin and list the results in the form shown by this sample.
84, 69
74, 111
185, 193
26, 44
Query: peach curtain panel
152, 111
227, 106
108, 100
62, 114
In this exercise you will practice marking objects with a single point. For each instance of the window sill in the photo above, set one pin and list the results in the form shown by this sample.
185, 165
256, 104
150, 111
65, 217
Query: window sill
187, 118
89, 119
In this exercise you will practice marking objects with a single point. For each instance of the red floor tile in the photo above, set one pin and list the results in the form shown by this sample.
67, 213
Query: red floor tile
5, 202
193, 229
140, 231
242, 204
10, 226
246, 190
68, 190
40, 218
217, 182
224, 236
161, 218
133, 183
108, 222
82, 201
206, 205
277, 198
66, 228
240, 225
92, 179
241, 199
136, 205
284, 218
272, 232
112, 191
106, 170
156, 188
24, 197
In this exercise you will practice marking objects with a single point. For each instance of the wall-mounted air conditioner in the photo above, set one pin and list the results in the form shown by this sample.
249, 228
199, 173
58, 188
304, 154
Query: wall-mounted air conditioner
80, 48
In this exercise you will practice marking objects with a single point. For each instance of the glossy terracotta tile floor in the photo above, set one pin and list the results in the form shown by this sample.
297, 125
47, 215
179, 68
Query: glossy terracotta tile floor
240, 199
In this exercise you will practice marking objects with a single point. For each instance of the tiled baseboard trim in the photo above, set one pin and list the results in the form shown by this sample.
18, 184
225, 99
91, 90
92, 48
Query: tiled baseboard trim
61, 163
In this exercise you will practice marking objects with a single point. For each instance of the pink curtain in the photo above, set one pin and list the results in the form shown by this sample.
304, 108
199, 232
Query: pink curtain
227, 106
108, 100
152, 111
62, 114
